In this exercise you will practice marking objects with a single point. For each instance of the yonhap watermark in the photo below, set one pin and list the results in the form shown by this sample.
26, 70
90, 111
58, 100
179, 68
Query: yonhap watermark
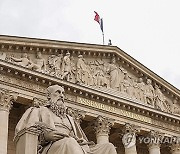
159, 140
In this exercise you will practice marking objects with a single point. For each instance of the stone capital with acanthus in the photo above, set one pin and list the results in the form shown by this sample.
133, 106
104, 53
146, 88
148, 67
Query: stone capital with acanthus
6, 99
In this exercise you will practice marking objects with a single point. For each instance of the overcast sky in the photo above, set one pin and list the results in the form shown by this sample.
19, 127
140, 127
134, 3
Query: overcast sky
148, 30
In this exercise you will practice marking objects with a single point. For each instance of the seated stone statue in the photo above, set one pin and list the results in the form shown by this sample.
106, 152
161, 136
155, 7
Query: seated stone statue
60, 134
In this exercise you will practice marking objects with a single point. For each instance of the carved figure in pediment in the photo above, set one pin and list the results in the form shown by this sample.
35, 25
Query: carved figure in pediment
66, 67
121, 73
99, 78
135, 88
58, 65
23, 61
149, 93
141, 90
3, 56
114, 74
131, 87
126, 86
54, 63
160, 100
51, 64
84, 74
175, 108
73, 70
99, 74
39, 63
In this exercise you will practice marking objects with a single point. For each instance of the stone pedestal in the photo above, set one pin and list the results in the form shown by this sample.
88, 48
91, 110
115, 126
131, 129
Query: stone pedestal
175, 148
6, 98
102, 127
27, 141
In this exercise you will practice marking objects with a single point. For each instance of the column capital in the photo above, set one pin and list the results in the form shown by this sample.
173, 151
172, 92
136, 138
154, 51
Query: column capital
103, 125
129, 137
131, 128
156, 138
6, 98
77, 115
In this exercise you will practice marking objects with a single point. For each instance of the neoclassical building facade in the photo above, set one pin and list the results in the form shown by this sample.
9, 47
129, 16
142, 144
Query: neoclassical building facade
111, 95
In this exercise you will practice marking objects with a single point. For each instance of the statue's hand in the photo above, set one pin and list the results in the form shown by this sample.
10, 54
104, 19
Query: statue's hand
54, 136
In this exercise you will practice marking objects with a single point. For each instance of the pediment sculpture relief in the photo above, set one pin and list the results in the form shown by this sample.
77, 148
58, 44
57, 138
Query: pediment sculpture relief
23, 61
98, 73
3, 56
59, 131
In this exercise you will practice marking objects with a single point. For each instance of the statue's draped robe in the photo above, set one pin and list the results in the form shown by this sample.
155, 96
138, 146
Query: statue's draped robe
67, 145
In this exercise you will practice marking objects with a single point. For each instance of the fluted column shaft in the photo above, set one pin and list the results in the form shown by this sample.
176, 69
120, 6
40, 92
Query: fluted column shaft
6, 98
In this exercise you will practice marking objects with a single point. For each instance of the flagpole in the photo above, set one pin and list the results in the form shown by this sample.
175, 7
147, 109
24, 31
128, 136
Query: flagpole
103, 37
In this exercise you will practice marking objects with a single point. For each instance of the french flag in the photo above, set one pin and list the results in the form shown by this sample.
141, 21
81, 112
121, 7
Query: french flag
99, 20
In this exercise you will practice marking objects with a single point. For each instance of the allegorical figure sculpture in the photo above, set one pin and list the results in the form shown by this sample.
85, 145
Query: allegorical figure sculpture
141, 86
160, 100
3, 56
39, 64
23, 61
66, 67
83, 72
149, 93
175, 108
63, 135
114, 74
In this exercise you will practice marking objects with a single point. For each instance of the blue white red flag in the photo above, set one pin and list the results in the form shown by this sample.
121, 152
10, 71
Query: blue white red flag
99, 20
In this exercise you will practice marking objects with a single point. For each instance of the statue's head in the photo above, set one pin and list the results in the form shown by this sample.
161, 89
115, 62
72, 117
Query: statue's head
55, 93
39, 54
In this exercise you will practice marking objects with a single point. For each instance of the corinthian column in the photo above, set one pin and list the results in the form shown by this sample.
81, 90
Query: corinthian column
102, 127
6, 98
129, 138
175, 148
155, 140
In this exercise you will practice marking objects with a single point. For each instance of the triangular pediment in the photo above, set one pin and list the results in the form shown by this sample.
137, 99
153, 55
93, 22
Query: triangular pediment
103, 69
